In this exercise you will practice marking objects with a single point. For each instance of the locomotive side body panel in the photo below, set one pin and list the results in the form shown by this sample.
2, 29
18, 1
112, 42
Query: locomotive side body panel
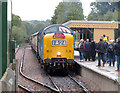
40, 46
34, 43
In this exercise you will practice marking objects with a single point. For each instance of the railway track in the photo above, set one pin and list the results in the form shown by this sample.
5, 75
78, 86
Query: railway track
32, 80
58, 88
55, 88
20, 48
84, 89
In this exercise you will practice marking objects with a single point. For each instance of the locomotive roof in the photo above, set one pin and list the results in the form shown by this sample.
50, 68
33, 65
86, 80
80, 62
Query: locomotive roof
57, 26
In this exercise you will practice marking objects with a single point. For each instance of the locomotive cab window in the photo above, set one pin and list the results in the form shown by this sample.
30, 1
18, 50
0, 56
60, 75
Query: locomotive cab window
51, 30
64, 30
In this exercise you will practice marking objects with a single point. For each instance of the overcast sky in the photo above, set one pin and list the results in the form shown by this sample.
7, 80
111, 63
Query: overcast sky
41, 9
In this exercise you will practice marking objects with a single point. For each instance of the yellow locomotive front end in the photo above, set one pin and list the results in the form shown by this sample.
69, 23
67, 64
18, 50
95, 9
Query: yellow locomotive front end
58, 51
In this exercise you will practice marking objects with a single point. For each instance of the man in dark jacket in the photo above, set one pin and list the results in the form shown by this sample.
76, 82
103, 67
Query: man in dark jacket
93, 52
117, 49
101, 50
111, 52
87, 50
106, 54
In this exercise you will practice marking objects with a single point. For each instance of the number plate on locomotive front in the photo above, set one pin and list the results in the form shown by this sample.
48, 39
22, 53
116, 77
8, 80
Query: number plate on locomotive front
59, 42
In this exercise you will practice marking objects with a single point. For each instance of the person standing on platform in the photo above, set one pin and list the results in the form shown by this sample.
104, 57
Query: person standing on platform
106, 54
117, 48
93, 52
81, 47
87, 50
114, 50
111, 52
84, 50
101, 50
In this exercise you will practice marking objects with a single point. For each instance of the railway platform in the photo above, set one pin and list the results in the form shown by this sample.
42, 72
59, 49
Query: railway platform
106, 77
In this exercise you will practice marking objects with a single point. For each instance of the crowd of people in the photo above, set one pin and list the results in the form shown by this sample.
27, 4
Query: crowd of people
108, 52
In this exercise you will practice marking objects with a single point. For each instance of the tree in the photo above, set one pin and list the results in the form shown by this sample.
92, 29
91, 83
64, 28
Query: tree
39, 27
27, 27
21, 30
16, 20
66, 11
18, 30
103, 11
18, 34
108, 16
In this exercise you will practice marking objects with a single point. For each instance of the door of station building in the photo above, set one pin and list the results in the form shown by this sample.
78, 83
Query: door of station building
86, 34
83, 33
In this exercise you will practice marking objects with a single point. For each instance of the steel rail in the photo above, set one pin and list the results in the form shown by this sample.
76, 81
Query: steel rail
20, 48
17, 51
24, 88
85, 90
30, 79
58, 88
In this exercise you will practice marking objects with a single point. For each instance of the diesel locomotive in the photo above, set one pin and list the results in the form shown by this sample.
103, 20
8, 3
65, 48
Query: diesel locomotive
54, 47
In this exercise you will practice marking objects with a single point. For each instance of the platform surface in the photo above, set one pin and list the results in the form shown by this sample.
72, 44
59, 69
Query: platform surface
106, 71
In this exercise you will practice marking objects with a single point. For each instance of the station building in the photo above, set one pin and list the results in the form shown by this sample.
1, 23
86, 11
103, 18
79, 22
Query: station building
93, 29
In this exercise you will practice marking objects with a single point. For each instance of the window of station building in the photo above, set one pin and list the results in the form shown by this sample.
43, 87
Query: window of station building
51, 30
64, 30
